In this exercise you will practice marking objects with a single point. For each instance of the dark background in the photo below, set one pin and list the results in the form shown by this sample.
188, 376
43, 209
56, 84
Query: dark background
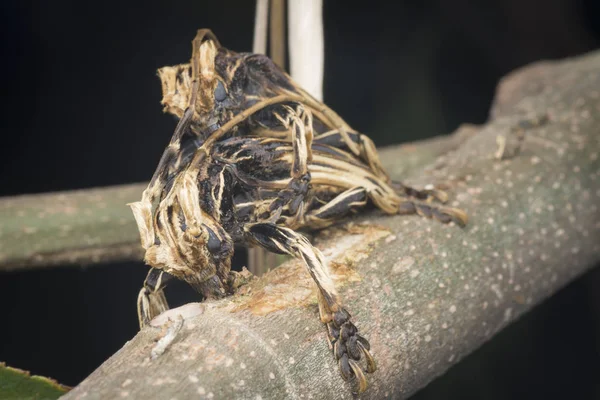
81, 109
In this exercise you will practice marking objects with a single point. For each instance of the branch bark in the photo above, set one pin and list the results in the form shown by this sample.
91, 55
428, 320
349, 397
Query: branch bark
69, 228
424, 294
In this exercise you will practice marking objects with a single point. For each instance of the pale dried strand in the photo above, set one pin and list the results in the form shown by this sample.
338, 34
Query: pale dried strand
306, 43
261, 22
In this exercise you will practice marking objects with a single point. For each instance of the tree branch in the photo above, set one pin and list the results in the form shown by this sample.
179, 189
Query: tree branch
75, 227
95, 225
425, 294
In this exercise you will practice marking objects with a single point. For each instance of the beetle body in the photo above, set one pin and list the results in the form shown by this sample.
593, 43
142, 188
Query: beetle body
253, 160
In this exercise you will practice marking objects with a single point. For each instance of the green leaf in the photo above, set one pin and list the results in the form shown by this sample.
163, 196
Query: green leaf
18, 384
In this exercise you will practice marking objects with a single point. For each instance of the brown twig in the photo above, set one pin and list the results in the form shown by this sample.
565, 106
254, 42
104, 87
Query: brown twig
277, 32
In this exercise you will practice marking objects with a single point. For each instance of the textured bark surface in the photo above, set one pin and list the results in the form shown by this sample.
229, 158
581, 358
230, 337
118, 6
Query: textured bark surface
424, 294
69, 228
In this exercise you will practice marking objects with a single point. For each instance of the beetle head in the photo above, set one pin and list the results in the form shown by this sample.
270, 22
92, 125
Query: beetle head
227, 83
200, 82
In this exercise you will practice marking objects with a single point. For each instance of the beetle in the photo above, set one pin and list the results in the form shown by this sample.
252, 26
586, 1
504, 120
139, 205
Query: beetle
254, 159
260, 191
218, 86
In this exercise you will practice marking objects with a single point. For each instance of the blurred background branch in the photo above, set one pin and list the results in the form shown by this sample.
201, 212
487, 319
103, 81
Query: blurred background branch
83, 227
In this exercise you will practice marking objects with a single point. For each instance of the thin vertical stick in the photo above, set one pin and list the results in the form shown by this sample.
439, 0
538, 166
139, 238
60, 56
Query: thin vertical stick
278, 32
261, 21
306, 43
258, 262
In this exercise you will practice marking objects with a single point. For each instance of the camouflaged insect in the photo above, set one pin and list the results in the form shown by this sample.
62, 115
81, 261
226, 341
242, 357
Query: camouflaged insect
254, 159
